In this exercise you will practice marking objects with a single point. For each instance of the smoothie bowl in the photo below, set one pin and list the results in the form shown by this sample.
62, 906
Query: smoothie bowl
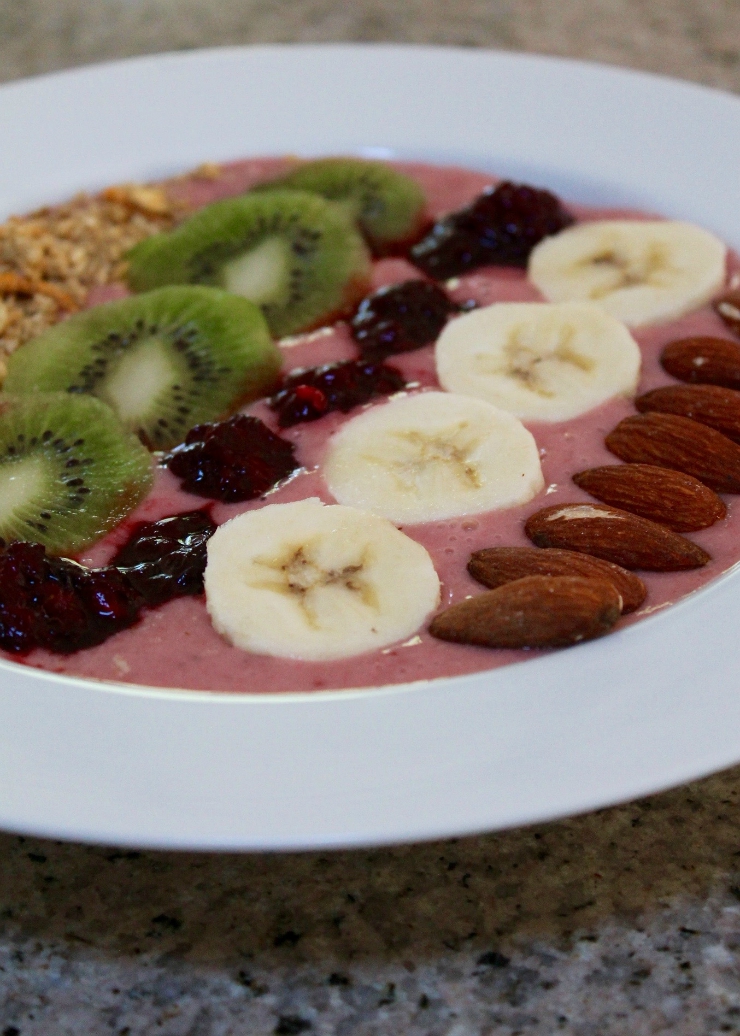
395, 469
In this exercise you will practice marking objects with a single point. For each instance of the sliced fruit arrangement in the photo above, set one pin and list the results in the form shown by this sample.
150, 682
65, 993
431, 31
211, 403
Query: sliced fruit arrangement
703, 360
68, 471
389, 206
542, 362
433, 455
663, 495
296, 255
163, 361
534, 611
308, 394
501, 227
311, 581
640, 271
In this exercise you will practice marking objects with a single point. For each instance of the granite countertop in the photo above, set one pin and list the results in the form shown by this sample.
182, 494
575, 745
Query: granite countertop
626, 920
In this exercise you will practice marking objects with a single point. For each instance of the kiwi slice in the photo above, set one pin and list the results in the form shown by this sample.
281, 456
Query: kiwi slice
163, 361
389, 206
296, 255
68, 471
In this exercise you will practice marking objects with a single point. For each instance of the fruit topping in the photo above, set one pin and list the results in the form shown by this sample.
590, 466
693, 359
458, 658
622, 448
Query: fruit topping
728, 308
670, 441
614, 535
163, 361
388, 205
430, 456
661, 494
68, 472
57, 604
167, 558
533, 612
703, 360
296, 255
640, 271
310, 393
494, 566
711, 405
540, 361
500, 228
238, 459
315, 581
400, 318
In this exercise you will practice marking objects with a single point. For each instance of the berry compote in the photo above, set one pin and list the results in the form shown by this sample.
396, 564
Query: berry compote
238, 459
500, 228
400, 318
308, 394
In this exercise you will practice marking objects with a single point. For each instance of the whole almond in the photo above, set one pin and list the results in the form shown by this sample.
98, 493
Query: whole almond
661, 494
728, 308
712, 405
670, 441
703, 360
534, 612
620, 537
494, 566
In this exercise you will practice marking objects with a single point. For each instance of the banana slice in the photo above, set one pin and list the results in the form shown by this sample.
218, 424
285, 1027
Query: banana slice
541, 361
431, 456
640, 271
316, 582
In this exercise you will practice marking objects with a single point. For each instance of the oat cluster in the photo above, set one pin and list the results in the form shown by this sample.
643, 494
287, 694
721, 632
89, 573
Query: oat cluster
51, 258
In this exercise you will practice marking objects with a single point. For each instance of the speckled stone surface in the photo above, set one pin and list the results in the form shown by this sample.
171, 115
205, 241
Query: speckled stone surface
624, 921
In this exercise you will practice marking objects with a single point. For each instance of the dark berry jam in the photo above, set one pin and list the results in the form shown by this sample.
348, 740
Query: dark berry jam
167, 559
57, 604
400, 318
499, 228
238, 459
308, 394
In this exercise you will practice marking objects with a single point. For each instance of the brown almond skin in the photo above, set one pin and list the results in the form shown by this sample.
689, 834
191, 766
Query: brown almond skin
670, 441
703, 360
670, 497
620, 537
494, 566
728, 308
712, 405
533, 612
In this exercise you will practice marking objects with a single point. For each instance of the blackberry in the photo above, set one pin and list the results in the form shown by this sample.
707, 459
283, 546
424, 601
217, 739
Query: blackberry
500, 228
400, 318
167, 559
234, 460
308, 394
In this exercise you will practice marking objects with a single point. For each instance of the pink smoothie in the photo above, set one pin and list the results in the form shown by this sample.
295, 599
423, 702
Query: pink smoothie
175, 644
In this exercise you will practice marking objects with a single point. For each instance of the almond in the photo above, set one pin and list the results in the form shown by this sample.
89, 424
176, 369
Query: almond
703, 360
534, 612
712, 405
494, 566
670, 441
728, 308
620, 537
661, 494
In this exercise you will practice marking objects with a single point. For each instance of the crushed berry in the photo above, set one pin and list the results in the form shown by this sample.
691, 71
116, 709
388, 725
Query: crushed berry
310, 393
238, 459
501, 227
57, 604
167, 559
400, 318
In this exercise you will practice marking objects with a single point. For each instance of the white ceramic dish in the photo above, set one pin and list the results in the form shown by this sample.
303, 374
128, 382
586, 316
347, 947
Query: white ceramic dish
645, 708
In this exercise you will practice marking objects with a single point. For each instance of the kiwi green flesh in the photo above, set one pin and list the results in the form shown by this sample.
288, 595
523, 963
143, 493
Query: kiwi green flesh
299, 257
164, 361
389, 206
68, 471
